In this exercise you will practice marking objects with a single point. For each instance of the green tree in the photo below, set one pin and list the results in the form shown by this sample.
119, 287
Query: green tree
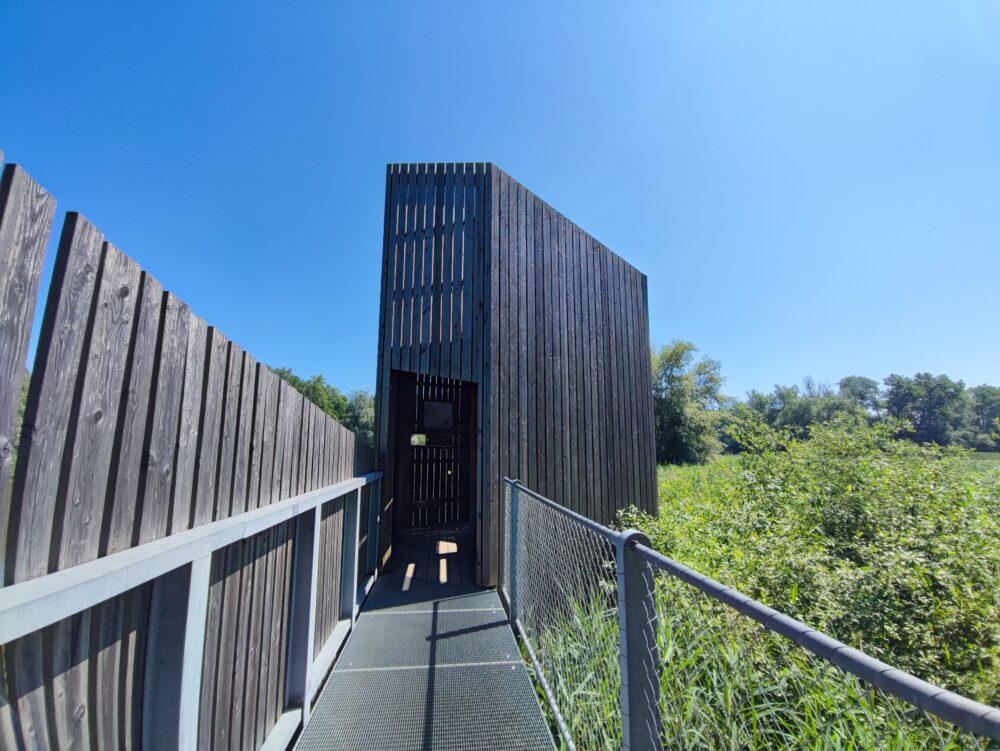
863, 393
797, 409
985, 412
686, 404
360, 415
935, 406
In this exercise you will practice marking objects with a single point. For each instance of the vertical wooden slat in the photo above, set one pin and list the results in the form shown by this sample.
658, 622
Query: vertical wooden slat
185, 459
50, 399
209, 430
127, 464
156, 479
26, 212
231, 416
90, 439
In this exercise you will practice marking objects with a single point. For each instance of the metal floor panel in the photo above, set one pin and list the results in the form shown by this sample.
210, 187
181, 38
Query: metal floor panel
435, 667
424, 594
440, 638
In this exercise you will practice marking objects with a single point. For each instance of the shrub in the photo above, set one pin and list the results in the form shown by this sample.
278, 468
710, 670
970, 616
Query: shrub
889, 546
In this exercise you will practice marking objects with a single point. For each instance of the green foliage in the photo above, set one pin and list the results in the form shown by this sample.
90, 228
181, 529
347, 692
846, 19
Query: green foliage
789, 407
887, 545
355, 412
936, 406
724, 684
692, 417
686, 402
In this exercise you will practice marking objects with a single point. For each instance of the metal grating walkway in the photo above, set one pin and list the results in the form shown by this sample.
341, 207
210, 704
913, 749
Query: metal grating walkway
432, 667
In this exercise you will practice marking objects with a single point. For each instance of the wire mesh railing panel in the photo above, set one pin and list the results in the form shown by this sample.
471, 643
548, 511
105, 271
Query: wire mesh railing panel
726, 681
704, 666
561, 583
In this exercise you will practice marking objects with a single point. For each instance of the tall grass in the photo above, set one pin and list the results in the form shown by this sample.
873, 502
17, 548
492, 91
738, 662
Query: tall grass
891, 547
725, 683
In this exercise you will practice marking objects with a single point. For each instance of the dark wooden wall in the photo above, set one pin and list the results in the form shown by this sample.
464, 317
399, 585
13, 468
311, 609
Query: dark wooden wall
143, 421
433, 317
485, 282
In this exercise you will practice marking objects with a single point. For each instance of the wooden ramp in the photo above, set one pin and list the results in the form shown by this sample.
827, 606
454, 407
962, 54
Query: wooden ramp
429, 666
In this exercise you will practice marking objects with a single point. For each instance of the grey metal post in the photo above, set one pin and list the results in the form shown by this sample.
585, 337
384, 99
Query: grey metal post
515, 503
303, 610
349, 564
172, 697
374, 504
642, 724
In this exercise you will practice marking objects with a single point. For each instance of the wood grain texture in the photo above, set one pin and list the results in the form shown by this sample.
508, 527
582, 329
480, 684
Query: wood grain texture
48, 412
26, 212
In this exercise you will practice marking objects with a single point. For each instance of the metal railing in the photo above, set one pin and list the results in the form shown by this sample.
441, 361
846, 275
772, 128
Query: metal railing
179, 568
637, 651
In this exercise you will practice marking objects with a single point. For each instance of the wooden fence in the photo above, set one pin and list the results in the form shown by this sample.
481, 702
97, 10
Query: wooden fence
154, 452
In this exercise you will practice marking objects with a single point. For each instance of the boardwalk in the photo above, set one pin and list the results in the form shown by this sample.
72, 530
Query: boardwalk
429, 665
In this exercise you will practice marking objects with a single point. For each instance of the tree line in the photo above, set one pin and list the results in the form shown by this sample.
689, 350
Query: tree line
693, 417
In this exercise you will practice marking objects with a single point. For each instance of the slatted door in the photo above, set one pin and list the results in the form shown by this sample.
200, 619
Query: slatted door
436, 454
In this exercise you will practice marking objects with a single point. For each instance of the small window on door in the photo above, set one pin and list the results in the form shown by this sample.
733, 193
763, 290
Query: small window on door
418, 439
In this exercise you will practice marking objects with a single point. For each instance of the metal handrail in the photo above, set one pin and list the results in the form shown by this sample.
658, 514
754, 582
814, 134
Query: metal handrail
954, 708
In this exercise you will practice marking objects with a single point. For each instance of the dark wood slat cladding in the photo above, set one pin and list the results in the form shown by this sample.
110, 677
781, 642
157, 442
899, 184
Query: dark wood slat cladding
549, 324
142, 421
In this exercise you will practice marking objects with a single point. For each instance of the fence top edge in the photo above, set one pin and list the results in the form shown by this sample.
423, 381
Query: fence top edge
36, 603
600, 529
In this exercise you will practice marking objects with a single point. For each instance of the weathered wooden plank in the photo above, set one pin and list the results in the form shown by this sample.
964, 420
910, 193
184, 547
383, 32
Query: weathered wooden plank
502, 340
470, 254
203, 494
491, 356
241, 651
119, 528
457, 278
264, 655
90, 438
224, 665
533, 353
252, 672
156, 479
522, 282
133, 665
68, 686
268, 445
427, 295
48, 411
26, 212
214, 650
229, 431
185, 460
106, 654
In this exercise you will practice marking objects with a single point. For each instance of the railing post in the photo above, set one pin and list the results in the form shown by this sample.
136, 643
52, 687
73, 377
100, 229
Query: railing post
303, 610
349, 564
639, 656
178, 612
374, 504
515, 504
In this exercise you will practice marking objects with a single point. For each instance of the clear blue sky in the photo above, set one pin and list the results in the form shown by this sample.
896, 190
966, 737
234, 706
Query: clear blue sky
811, 188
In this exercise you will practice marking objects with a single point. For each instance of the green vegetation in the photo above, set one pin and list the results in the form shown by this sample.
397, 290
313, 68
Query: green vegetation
355, 411
692, 416
888, 545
